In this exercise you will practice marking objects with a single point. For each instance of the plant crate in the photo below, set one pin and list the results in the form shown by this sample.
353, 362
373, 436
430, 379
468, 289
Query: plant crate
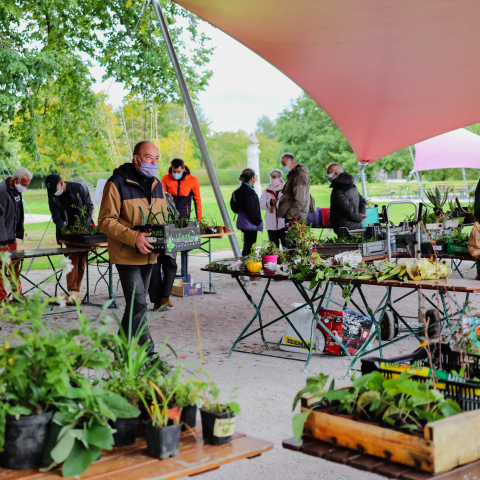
457, 248
83, 238
446, 443
170, 239
367, 249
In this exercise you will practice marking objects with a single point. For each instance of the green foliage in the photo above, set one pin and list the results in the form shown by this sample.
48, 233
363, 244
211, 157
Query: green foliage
267, 126
269, 249
437, 199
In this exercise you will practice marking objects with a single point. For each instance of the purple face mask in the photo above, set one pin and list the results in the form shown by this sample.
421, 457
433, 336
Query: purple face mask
148, 169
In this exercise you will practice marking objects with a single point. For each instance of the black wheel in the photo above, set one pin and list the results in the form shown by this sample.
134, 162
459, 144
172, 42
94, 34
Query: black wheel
387, 327
432, 319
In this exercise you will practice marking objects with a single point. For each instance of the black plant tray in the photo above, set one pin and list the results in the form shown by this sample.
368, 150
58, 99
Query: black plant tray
83, 238
170, 239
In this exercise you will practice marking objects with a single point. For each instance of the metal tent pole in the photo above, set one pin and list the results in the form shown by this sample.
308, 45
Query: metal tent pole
465, 181
416, 175
361, 167
196, 126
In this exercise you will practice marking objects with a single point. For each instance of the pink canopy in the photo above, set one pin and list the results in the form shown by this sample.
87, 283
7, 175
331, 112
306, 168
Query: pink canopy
457, 149
390, 73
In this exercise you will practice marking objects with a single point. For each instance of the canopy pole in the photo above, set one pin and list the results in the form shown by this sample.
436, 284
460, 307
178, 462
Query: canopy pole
362, 166
196, 126
465, 180
416, 175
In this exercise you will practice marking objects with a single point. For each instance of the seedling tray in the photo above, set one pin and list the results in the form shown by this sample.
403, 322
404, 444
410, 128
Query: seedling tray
457, 248
367, 249
170, 239
83, 238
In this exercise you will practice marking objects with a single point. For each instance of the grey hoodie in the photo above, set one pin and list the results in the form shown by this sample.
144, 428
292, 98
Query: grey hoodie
296, 194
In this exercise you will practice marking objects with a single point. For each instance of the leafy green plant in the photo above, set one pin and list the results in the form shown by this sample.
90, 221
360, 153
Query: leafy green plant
302, 236
212, 403
269, 249
437, 199
80, 226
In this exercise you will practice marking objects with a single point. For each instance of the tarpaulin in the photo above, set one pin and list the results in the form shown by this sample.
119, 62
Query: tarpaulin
457, 149
390, 73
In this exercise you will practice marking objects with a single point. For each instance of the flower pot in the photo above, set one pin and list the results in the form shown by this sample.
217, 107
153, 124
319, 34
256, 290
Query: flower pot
427, 248
203, 231
469, 217
336, 411
163, 442
126, 431
269, 258
217, 428
220, 229
25, 441
175, 414
226, 229
189, 417
212, 230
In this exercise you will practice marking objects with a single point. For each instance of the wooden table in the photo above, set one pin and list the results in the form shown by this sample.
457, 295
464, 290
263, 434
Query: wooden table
369, 463
131, 463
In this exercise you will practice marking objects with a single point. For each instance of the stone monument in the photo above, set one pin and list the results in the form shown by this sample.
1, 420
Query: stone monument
253, 161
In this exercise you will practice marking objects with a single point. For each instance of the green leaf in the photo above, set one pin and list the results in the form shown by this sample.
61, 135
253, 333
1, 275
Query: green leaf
99, 436
298, 422
64, 446
80, 459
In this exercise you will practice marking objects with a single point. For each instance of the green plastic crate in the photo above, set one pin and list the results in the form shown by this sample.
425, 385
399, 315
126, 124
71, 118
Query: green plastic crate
456, 248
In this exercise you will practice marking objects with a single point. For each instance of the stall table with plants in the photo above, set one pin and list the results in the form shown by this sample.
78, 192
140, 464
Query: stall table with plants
98, 256
21, 255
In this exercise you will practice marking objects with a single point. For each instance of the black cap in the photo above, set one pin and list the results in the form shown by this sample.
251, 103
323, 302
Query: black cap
51, 183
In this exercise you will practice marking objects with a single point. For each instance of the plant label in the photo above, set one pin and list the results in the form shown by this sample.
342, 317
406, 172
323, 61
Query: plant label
224, 427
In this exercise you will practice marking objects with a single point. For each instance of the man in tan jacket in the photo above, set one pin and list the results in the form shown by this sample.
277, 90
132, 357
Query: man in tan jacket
131, 186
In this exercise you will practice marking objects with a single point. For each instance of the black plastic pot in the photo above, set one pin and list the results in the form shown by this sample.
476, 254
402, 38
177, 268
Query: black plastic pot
189, 417
126, 431
25, 441
427, 248
217, 428
163, 442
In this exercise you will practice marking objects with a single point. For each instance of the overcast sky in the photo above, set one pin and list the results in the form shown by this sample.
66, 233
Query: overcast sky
243, 86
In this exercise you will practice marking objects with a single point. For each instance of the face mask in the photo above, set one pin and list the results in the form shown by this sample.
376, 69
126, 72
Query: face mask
329, 177
19, 188
58, 192
276, 182
148, 169
177, 176
286, 169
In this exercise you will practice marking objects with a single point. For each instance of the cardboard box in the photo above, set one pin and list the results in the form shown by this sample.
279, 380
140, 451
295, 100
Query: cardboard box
182, 289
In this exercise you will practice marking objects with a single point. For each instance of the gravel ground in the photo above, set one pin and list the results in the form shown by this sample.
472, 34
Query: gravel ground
266, 386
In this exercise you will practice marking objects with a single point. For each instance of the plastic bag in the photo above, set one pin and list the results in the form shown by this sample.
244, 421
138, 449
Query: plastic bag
351, 258
425, 270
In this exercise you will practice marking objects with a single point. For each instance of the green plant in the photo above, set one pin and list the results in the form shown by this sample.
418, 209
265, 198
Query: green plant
211, 400
80, 226
81, 428
437, 199
458, 237
302, 236
269, 249
254, 256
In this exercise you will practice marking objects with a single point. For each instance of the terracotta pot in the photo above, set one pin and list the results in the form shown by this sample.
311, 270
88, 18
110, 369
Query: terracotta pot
219, 229
226, 229
175, 414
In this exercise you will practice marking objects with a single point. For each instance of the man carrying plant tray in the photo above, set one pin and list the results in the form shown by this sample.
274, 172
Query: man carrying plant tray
131, 190
71, 206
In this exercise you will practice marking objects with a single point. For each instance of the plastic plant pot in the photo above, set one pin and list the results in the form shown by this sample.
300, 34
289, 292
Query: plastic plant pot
163, 442
25, 441
189, 417
269, 258
126, 431
218, 428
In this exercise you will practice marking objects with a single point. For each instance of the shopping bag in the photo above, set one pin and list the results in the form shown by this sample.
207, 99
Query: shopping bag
474, 241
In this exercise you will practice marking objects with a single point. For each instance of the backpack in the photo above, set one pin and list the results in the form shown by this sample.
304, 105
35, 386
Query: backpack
311, 206
233, 203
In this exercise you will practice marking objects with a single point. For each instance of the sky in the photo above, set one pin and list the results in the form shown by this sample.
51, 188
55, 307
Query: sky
243, 86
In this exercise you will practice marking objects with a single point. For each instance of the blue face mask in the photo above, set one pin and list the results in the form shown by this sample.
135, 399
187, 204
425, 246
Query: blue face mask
177, 176
148, 169
329, 177
286, 169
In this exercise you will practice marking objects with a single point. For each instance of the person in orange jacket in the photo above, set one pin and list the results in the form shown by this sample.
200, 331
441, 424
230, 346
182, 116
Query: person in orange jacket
182, 186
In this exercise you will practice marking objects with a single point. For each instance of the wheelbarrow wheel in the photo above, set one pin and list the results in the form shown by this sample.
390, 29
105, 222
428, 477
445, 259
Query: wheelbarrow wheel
387, 327
433, 320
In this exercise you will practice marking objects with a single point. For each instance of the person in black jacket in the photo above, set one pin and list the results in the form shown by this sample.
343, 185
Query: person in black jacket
69, 203
246, 205
347, 206
12, 224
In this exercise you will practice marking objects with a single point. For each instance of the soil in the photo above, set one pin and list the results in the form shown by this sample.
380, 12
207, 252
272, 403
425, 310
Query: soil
266, 385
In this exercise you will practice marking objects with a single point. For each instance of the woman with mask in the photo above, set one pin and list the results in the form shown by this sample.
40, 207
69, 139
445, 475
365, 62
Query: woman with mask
245, 204
269, 201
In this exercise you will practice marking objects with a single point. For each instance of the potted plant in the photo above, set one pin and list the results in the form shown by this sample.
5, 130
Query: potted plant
189, 397
269, 253
218, 420
254, 261
427, 248
80, 232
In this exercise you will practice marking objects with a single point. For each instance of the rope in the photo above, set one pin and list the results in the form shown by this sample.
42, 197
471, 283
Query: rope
90, 130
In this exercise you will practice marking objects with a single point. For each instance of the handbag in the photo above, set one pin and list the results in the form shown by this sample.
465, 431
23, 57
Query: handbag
474, 241
245, 225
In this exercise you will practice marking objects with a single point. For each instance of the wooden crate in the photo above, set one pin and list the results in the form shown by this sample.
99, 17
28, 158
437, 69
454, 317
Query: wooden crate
446, 444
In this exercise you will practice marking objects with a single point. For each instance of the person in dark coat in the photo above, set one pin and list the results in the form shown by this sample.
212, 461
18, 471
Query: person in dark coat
66, 201
12, 225
347, 206
477, 219
246, 205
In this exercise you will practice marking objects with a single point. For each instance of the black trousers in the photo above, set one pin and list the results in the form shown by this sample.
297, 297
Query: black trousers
162, 288
249, 240
478, 270
184, 263
277, 236
135, 280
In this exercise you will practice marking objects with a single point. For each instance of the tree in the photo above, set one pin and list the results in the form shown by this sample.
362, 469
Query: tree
47, 48
267, 126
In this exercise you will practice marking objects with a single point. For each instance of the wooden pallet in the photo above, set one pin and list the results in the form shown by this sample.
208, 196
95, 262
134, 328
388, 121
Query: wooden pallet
446, 444
130, 463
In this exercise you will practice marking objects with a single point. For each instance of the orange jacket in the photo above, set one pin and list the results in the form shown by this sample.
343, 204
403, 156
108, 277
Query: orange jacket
182, 192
